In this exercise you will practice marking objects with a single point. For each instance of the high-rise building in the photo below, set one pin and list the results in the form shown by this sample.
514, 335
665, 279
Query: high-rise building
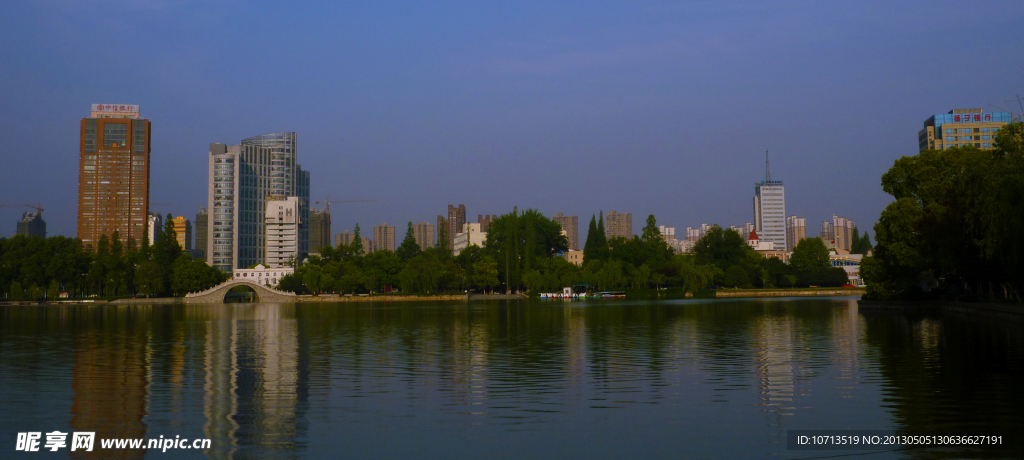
770, 210
32, 224
961, 128
424, 234
384, 237
618, 224
571, 226
319, 229
453, 222
154, 226
202, 222
826, 231
113, 176
667, 233
282, 221
345, 238
183, 230
796, 230
243, 179
842, 229
485, 221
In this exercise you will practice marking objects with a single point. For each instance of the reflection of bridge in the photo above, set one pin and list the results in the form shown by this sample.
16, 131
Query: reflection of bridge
217, 293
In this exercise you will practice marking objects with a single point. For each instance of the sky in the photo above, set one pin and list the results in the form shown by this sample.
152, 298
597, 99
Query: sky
663, 108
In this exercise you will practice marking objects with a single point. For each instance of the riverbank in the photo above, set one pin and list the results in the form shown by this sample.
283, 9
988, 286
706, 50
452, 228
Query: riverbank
1007, 311
823, 292
377, 298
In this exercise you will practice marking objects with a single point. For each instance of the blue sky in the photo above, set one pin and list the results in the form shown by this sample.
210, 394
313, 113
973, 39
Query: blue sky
661, 108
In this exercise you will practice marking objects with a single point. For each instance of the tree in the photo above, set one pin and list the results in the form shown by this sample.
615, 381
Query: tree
810, 255
409, 248
590, 251
523, 242
148, 278
356, 246
485, 273
311, 278
442, 235
736, 277
193, 275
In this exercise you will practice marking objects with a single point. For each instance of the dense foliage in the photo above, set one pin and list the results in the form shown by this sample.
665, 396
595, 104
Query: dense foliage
522, 253
953, 229
42, 268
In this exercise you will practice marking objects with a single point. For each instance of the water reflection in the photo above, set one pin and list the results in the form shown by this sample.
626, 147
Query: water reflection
601, 379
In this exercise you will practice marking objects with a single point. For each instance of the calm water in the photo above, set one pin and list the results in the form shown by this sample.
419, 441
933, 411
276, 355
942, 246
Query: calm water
516, 380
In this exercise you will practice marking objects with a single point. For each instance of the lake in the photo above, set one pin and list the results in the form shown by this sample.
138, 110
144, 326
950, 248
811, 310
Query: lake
601, 379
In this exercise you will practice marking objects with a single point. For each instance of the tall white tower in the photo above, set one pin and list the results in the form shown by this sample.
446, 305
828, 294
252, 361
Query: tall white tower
770, 209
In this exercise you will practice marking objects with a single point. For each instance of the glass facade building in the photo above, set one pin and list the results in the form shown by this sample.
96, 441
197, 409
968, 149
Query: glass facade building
242, 179
961, 128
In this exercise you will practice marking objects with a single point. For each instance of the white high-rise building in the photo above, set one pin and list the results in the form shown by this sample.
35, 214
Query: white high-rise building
282, 221
770, 210
154, 225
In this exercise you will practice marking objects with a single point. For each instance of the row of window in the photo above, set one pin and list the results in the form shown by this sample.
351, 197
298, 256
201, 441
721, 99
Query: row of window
985, 145
970, 130
967, 138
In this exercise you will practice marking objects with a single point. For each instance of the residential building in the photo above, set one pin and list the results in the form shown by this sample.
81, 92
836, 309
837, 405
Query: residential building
453, 223
695, 234
770, 212
154, 226
796, 230
574, 257
32, 224
424, 234
113, 176
842, 230
618, 224
202, 222
682, 246
384, 237
183, 232
485, 221
345, 239
571, 226
470, 234
850, 263
961, 128
282, 221
319, 229
262, 275
242, 179
667, 233
826, 233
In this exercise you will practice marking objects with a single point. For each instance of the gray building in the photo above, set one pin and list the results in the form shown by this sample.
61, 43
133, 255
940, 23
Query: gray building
32, 224
242, 179
319, 230
202, 221
770, 213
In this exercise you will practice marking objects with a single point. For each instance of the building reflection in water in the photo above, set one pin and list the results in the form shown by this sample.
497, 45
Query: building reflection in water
252, 382
111, 376
774, 354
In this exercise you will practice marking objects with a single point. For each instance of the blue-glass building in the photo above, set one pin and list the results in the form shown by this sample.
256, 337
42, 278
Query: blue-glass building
961, 128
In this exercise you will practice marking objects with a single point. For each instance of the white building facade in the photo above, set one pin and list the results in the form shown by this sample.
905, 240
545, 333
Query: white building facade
262, 275
282, 222
770, 213
471, 234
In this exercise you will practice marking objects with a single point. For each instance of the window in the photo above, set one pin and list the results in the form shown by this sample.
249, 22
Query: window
977, 130
950, 131
984, 130
985, 138
977, 145
949, 138
986, 145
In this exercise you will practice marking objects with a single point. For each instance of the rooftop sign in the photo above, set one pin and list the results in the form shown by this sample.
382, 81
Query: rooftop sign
115, 108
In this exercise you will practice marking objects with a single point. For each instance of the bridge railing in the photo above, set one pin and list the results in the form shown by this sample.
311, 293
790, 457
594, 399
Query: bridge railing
238, 283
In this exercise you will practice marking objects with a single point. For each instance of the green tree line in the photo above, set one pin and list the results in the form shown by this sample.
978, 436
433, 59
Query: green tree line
522, 254
953, 230
41, 268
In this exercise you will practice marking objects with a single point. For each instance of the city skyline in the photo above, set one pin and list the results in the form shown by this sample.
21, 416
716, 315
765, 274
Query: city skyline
518, 112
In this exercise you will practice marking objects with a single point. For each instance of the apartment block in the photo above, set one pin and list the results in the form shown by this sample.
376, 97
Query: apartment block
571, 227
384, 237
618, 224
424, 234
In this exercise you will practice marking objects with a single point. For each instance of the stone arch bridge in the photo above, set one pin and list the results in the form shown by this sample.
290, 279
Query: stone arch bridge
217, 293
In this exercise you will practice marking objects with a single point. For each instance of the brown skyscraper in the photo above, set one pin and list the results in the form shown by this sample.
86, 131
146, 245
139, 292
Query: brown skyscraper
113, 174
618, 224
453, 224
571, 226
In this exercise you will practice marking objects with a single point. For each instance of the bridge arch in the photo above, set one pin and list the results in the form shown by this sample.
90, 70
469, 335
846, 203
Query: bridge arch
217, 293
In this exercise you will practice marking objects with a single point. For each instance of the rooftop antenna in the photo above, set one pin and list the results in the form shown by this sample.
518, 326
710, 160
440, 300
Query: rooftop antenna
767, 169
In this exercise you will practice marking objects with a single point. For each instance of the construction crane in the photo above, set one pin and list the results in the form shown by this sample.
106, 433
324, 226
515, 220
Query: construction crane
37, 207
328, 202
